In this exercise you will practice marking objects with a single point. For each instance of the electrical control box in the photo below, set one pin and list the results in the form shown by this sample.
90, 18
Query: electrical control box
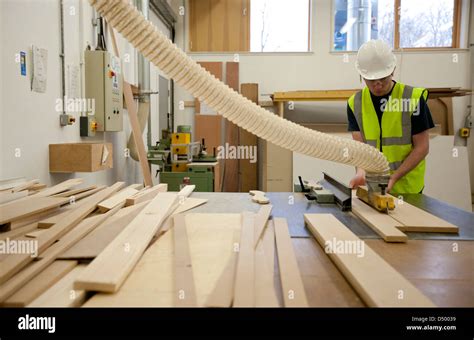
103, 82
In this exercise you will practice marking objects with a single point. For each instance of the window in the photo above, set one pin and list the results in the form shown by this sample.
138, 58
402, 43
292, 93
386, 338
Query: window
249, 25
426, 23
279, 25
358, 21
415, 24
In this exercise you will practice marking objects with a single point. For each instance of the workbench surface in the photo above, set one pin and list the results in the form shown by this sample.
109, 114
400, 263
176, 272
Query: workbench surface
440, 268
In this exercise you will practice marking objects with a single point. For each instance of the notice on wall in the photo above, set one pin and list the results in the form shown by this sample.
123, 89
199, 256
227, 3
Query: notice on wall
40, 69
73, 81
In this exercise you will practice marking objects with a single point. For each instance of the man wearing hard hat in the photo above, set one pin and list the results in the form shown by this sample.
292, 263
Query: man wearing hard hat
392, 117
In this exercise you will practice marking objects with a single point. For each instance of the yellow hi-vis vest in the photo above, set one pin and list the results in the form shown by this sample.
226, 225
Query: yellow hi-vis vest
395, 136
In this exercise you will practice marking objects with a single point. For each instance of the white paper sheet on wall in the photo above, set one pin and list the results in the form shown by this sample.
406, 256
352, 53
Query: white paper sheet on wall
40, 69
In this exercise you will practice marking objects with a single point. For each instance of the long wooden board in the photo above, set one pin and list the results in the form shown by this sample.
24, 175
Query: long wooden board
244, 294
185, 291
293, 290
222, 294
34, 218
20, 209
265, 295
376, 282
414, 219
109, 270
133, 118
261, 219
63, 186
146, 194
116, 199
94, 243
188, 204
82, 229
62, 294
6, 197
381, 223
75, 191
39, 284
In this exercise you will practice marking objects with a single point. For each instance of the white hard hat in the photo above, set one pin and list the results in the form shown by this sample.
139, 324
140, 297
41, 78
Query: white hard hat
375, 60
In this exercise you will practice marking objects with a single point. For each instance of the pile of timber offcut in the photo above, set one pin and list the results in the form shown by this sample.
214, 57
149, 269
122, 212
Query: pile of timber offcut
134, 246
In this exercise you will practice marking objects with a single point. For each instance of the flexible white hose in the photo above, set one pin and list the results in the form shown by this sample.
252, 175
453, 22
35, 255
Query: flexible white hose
155, 46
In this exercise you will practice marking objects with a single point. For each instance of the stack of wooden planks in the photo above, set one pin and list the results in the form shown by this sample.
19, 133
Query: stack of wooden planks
134, 246
44, 235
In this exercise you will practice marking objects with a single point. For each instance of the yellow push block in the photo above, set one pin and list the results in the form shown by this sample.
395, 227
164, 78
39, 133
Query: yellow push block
180, 138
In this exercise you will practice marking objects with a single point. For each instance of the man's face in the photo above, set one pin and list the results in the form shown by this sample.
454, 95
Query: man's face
379, 87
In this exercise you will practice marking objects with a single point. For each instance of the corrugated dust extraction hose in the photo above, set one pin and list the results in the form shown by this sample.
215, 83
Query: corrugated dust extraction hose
155, 46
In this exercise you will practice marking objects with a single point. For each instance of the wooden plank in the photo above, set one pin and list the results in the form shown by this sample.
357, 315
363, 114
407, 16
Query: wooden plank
185, 291
293, 290
211, 239
14, 263
35, 233
261, 219
214, 68
68, 222
146, 194
63, 186
10, 183
75, 191
62, 294
6, 197
376, 282
188, 204
132, 115
116, 199
414, 219
244, 289
14, 233
39, 284
34, 218
265, 295
94, 243
66, 210
109, 270
223, 293
269, 245
248, 171
69, 239
25, 185
21, 209
384, 225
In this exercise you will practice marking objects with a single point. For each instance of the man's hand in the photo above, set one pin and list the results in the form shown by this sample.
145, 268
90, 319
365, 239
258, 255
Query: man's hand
358, 179
391, 183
